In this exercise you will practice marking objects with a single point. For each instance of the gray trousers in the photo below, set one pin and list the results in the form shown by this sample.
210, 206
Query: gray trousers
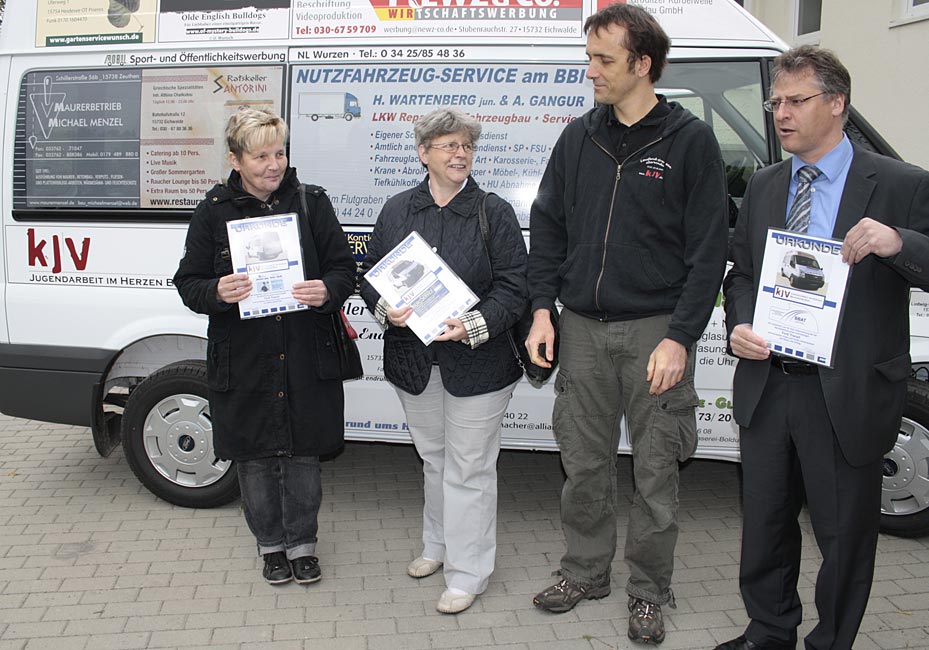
458, 439
601, 377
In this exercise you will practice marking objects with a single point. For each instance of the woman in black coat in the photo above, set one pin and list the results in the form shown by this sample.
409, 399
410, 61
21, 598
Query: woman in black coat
455, 391
275, 384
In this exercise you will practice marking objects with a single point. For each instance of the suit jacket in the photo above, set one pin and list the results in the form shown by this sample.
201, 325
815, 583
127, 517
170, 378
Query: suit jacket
866, 390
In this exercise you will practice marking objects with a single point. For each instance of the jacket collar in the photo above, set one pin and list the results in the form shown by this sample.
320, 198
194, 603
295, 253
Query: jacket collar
232, 189
462, 204
859, 184
595, 121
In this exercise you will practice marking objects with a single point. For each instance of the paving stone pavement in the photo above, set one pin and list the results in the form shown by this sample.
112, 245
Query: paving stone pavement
89, 560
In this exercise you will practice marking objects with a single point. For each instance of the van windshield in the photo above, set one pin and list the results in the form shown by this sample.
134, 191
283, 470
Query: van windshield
804, 260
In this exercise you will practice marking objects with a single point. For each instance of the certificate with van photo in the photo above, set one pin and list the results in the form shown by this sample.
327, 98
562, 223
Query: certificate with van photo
268, 250
413, 275
801, 295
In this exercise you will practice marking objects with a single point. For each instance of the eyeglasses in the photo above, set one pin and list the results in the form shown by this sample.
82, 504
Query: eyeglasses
452, 147
773, 104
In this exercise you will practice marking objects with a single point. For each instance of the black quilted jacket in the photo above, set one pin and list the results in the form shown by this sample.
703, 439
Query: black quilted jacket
454, 232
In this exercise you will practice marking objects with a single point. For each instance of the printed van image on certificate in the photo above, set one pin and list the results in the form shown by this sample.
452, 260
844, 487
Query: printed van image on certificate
268, 250
412, 275
801, 295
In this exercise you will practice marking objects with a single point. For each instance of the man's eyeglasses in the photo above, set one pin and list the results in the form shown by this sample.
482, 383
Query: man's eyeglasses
452, 147
773, 104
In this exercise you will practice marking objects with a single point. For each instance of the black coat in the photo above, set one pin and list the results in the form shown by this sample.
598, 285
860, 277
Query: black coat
274, 382
454, 232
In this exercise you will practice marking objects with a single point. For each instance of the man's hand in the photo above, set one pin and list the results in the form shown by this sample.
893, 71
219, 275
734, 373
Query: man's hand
311, 292
748, 345
666, 366
541, 332
870, 236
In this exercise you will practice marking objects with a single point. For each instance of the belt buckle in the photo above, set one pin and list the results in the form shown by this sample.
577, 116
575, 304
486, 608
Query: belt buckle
792, 366
781, 363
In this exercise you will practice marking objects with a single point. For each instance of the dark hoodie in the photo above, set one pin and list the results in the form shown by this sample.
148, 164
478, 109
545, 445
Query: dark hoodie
627, 239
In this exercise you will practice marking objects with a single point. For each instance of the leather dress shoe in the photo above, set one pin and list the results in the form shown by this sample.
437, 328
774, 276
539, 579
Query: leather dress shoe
741, 643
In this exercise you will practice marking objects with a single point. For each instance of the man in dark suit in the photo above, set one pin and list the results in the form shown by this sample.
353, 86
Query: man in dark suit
810, 428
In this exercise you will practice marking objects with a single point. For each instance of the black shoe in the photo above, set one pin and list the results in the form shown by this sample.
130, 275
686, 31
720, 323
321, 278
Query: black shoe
306, 570
742, 643
277, 569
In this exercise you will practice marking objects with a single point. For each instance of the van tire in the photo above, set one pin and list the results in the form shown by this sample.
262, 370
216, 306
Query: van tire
905, 495
167, 439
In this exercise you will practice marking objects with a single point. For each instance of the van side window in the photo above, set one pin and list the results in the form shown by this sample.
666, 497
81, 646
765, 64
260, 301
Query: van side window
728, 97
137, 143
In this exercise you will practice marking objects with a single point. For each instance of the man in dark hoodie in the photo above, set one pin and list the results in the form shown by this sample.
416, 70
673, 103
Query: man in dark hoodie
629, 231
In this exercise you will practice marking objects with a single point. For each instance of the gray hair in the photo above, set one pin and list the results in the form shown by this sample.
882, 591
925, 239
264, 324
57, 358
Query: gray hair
251, 129
443, 121
830, 74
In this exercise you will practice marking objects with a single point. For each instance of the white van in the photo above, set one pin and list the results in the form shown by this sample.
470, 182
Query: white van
802, 270
112, 134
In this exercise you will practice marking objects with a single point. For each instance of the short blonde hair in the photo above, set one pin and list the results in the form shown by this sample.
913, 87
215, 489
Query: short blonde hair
250, 129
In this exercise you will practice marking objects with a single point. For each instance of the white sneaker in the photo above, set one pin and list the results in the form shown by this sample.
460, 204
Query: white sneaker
452, 603
421, 567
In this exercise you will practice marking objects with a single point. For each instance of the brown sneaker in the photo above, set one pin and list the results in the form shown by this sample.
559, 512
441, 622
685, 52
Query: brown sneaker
565, 594
645, 622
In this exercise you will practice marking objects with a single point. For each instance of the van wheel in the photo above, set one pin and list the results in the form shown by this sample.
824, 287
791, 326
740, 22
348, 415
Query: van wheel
168, 439
905, 497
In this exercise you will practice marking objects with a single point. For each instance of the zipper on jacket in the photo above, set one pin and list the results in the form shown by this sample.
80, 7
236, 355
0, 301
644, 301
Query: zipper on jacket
609, 220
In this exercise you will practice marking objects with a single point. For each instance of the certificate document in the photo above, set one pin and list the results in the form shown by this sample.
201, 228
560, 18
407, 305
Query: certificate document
412, 275
268, 250
801, 295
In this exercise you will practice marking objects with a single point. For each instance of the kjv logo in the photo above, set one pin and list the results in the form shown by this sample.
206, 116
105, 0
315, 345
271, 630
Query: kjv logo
37, 253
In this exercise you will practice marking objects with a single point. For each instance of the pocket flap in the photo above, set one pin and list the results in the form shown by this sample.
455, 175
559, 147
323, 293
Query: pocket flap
896, 369
681, 397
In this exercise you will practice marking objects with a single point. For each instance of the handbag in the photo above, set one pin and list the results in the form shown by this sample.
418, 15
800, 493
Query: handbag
343, 333
349, 357
537, 375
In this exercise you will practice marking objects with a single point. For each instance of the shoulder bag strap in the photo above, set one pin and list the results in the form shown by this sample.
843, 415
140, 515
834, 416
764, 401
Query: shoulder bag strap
485, 237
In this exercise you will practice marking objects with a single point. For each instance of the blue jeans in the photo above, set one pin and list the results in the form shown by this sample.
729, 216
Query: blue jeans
280, 498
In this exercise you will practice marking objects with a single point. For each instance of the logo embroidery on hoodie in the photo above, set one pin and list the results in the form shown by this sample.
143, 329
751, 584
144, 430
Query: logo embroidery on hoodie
654, 168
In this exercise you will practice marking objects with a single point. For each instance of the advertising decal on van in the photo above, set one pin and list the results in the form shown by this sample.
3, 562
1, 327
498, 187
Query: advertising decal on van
113, 133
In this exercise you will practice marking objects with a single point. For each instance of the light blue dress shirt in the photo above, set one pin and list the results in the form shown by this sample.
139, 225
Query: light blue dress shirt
827, 187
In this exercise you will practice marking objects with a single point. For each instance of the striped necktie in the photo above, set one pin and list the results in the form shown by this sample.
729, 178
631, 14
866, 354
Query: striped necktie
798, 219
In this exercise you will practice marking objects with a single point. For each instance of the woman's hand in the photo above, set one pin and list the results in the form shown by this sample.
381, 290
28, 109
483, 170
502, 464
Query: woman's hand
454, 332
233, 288
398, 317
311, 292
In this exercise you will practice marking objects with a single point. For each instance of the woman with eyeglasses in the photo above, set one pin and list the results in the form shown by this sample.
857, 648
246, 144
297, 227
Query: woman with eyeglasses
455, 391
